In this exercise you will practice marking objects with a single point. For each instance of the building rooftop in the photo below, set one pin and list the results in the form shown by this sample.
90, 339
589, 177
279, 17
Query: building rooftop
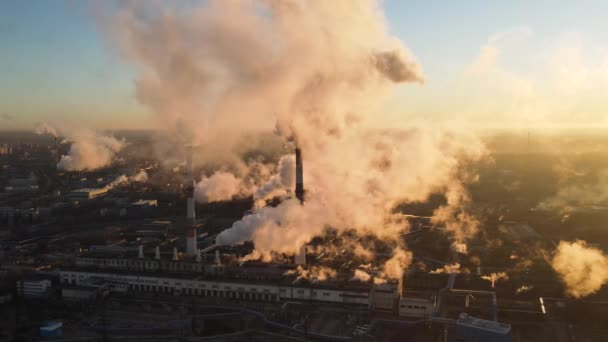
478, 323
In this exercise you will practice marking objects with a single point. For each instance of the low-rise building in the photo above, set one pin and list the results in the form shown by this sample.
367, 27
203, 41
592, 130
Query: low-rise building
416, 307
471, 329
86, 194
33, 288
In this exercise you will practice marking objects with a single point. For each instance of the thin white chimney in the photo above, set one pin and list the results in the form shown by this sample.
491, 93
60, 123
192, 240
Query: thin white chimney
141, 252
175, 254
157, 253
218, 261
198, 255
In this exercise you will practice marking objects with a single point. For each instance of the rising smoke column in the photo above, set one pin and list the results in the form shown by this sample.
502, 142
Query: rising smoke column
221, 186
45, 128
280, 182
317, 71
89, 150
583, 269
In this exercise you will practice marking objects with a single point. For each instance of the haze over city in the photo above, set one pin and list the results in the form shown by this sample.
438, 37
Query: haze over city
303, 170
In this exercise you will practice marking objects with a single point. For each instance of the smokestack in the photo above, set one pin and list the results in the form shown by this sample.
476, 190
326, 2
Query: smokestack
157, 253
191, 248
141, 252
218, 261
299, 175
175, 254
198, 255
301, 256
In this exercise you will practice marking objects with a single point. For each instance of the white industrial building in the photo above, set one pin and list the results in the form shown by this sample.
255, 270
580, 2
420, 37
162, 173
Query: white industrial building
33, 288
232, 289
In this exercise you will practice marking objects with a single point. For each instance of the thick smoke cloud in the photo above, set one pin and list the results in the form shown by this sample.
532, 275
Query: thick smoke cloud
583, 269
89, 149
279, 183
221, 186
317, 71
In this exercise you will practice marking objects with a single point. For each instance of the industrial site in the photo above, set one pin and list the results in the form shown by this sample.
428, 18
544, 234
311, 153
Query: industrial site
119, 254
287, 170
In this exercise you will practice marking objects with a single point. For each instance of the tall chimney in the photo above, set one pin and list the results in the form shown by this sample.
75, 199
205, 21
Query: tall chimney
191, 248
57, 154
175, 258
300, 257
299, 176
141, 252
157, 253
218, 260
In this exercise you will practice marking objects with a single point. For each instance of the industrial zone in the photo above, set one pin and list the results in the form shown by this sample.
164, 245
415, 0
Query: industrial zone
126, 258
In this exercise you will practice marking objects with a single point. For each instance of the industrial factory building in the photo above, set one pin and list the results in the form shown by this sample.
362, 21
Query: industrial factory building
86, 194
361, 296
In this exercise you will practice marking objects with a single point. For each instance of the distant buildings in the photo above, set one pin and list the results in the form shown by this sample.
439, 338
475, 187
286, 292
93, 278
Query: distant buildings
33, 288
22, 184
471, 329
86, 194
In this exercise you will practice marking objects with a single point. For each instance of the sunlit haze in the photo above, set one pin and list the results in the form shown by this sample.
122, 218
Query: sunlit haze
518, 63
303, 170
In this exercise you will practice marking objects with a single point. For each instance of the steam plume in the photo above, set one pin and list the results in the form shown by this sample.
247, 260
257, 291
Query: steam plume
45, 128
361, 276
221, 186
494, 277
452, 268
207, 72
314, 273
282, 181
583, 269
89, 150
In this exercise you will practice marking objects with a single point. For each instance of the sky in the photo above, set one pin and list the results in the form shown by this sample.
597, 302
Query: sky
511, 63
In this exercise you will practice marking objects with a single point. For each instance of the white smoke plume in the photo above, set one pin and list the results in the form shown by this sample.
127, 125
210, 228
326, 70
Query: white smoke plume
397, 264
318, 71
361, 276
313, 273
456, 220
120, 180
221, 186
254, 256
523, 289
140, 177
583, 269
494, 277
460, 247
279, 183
45, 128
448, 269
89, 150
